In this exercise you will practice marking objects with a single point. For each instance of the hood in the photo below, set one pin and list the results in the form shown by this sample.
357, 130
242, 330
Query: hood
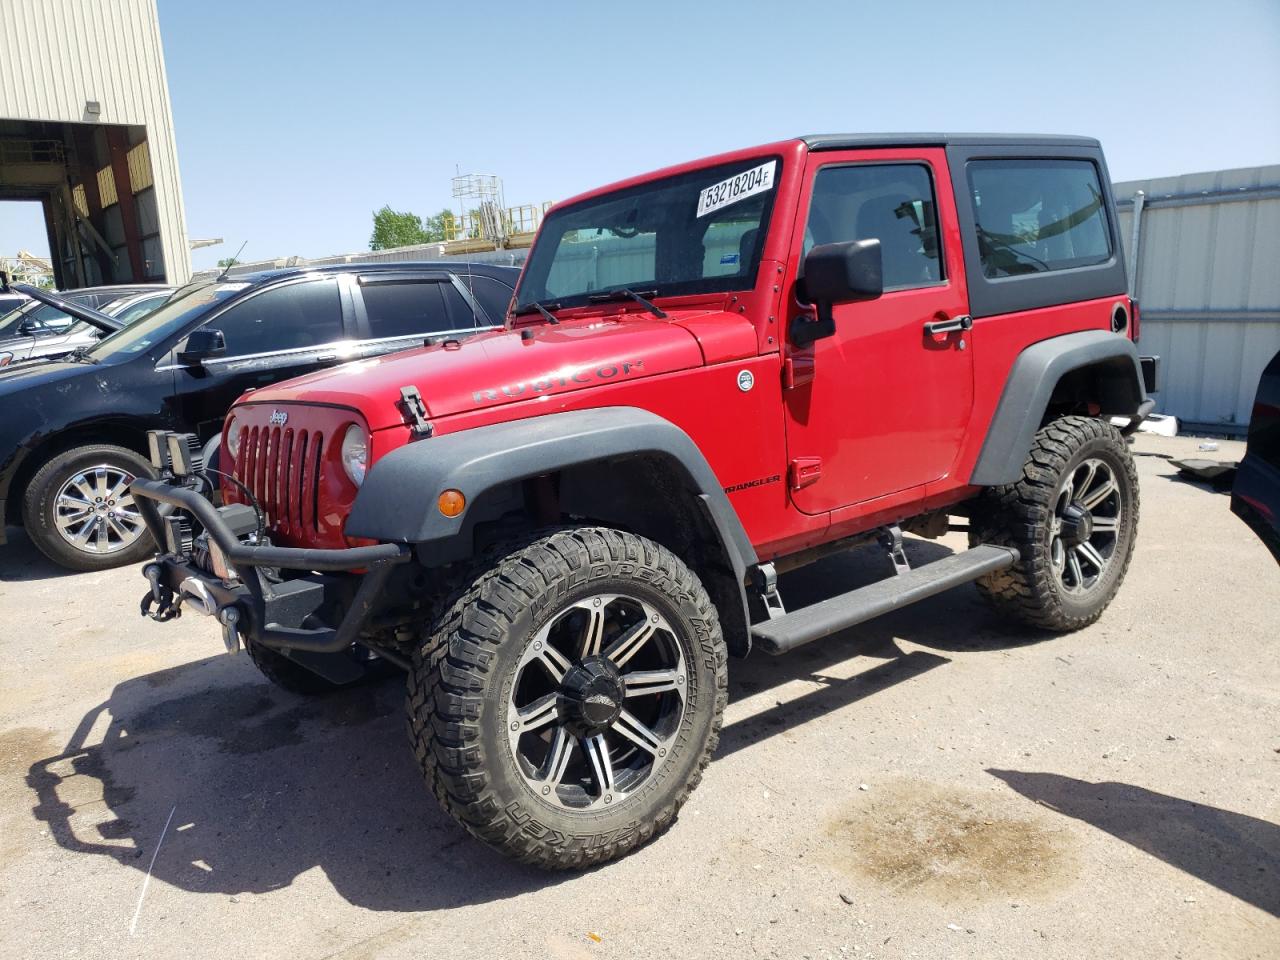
498, 368
20, 377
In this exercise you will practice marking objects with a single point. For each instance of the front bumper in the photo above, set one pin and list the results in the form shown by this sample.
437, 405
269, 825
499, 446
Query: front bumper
252, 605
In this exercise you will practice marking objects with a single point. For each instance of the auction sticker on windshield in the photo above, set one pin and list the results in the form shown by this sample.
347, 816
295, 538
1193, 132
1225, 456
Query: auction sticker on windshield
738, 187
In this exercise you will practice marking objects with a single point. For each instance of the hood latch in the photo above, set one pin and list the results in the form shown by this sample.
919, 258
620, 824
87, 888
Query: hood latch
415, 411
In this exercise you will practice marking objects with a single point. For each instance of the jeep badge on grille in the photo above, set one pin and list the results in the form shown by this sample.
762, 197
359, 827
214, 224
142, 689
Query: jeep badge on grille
279, 418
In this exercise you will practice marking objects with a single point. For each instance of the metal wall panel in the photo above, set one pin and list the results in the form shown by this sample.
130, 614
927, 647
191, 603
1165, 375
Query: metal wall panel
1208, 280
55, 55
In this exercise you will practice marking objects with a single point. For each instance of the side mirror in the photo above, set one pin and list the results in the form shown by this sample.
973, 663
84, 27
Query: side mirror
203, 344
837, 273
29, 328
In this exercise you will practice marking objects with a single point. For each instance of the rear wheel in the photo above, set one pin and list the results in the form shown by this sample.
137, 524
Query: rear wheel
78, 510
565, 704
1073, 516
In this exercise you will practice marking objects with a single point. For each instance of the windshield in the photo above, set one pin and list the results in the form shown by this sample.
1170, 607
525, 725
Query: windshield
698, 232
183, 307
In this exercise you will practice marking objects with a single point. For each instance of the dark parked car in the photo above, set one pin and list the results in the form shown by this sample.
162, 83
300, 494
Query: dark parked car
1255, 498
73, 434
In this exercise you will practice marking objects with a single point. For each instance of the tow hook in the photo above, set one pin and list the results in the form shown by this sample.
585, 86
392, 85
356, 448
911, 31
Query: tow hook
229, 617
160, 596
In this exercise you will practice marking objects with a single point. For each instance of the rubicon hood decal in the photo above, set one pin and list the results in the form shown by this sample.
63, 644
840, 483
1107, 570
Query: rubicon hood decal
584, 376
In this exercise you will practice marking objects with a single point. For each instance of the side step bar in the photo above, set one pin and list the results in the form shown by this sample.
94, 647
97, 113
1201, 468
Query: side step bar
822, 619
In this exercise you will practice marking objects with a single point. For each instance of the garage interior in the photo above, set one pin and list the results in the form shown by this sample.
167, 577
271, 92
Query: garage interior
97, 189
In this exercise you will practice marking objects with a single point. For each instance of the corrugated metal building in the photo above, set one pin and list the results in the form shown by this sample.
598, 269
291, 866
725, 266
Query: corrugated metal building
1204, 260
86, 128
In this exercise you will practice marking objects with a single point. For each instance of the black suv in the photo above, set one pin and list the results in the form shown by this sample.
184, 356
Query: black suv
73, 434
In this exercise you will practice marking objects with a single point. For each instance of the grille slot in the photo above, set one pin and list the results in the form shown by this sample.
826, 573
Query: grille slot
282, 469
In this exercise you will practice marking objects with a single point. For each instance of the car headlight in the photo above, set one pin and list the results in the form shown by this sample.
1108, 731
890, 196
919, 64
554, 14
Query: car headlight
233, 438
5, 359
355, 453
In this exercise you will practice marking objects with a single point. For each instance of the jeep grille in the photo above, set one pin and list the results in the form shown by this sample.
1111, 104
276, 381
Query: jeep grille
281, 467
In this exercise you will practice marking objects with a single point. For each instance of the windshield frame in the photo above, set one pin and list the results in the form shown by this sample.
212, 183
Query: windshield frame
539, 265
168, 329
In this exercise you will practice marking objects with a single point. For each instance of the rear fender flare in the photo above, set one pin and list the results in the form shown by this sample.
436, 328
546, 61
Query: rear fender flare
1030, 386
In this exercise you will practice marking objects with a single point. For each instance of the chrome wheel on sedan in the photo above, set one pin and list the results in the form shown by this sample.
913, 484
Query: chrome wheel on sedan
95, 513
78, 511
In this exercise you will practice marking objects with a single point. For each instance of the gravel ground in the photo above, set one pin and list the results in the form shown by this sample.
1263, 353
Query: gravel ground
936, 784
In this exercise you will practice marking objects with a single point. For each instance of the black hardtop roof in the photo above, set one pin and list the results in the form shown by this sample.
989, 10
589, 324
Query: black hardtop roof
850, 141
496, 271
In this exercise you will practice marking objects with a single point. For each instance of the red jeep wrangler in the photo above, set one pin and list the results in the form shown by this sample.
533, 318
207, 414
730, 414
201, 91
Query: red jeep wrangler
709, 374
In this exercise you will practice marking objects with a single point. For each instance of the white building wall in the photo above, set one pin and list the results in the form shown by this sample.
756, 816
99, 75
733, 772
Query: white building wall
1208, 281
57, 54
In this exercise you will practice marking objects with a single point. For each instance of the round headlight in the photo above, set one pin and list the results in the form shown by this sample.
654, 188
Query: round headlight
355, 453
233, 437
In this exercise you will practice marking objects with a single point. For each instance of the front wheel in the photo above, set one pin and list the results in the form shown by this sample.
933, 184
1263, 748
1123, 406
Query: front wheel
567, 701
78, 510
1073, 516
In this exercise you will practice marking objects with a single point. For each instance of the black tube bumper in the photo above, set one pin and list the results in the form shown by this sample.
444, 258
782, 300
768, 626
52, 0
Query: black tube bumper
265, 610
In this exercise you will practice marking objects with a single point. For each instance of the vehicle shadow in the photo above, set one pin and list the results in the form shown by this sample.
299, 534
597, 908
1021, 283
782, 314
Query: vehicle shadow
264, 786
955, 621
1237, 854
20, 560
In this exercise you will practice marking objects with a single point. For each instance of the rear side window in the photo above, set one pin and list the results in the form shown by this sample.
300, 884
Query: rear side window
493, 295
405, 308
286, 318
461, 314
1035, 216
892, 203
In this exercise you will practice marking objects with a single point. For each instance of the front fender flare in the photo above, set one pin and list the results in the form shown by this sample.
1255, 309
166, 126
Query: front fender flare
397, 501
1030, 386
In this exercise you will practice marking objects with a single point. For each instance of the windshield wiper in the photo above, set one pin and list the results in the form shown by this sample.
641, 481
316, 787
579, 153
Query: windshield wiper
545, 310
624, 293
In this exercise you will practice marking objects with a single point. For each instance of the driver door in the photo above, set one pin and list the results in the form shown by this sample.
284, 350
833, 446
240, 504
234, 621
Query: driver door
881, 406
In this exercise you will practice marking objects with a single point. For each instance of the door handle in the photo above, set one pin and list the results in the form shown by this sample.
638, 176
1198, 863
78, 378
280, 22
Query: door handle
934, 327
326, 357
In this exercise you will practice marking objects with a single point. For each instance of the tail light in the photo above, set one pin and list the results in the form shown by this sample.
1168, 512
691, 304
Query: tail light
1134, 319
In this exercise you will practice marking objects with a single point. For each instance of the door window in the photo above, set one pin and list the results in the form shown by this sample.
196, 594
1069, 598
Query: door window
1034, 216
892, 203
287, 318
405, 308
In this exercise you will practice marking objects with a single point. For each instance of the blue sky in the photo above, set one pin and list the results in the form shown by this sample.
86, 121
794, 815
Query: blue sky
297, 118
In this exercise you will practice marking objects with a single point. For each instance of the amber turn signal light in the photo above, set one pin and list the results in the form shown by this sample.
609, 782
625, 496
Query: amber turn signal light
451, 503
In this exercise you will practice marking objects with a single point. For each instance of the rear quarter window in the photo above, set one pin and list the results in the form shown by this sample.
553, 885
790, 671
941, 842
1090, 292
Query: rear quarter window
1035, 216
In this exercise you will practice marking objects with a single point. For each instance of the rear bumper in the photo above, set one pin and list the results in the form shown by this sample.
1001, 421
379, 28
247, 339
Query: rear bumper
1150, 374
269, 610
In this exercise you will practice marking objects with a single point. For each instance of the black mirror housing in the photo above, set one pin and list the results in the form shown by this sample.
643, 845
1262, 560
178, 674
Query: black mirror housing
837, 273
201, 345
844, 272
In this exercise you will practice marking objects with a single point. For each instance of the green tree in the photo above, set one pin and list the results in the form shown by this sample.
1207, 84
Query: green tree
228, 263
392, 228
441, 226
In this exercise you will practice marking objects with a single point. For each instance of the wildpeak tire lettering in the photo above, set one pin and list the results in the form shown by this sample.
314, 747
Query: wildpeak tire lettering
583, 376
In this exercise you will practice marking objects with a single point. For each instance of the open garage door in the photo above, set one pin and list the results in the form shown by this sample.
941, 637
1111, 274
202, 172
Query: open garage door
97, 189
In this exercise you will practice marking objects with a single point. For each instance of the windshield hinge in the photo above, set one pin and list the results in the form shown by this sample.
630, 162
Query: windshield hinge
415, 411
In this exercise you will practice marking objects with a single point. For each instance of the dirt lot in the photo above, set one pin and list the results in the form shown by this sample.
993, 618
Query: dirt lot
937, 784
